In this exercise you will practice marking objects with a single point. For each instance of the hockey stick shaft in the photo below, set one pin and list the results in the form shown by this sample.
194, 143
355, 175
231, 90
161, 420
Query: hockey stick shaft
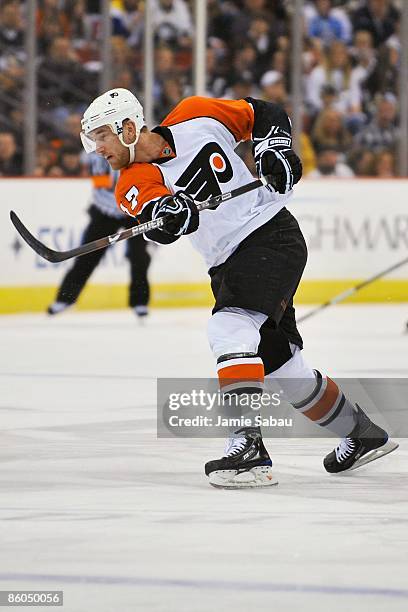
58, 256
345, 294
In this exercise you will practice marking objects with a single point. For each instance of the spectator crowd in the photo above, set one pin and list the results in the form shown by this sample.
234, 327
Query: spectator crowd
350, 66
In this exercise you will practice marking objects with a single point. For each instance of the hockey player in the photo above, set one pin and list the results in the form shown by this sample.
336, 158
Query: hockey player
254, 250
105, 218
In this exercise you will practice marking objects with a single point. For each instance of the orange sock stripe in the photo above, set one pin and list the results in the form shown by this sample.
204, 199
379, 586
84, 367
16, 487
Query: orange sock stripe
325, 403
242, 372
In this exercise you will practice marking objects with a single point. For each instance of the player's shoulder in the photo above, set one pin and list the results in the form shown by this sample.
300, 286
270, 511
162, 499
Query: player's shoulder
139, 174
138, 184
195, 107
192, 107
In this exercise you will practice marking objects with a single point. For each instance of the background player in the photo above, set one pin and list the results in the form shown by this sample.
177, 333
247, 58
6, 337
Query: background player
105, 219
254, 250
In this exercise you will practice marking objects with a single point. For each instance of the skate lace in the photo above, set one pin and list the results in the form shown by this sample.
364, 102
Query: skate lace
234, 446
345, 449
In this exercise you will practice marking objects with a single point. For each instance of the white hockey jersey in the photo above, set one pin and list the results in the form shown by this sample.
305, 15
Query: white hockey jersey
202, 134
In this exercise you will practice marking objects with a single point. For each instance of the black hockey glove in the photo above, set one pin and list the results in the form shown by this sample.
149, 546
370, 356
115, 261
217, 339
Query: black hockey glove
280, 162
184, 217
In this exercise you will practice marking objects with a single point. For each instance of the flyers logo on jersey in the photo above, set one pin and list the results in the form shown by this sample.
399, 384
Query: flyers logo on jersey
205, 173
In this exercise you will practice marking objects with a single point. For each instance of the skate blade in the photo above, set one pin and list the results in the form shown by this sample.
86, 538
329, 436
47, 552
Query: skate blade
377, 453
260, 476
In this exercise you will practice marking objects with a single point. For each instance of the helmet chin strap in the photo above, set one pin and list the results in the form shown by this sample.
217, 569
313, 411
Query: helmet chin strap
131, 147
132, 153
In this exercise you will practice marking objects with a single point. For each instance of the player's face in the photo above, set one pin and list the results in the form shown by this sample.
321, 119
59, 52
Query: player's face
109, 146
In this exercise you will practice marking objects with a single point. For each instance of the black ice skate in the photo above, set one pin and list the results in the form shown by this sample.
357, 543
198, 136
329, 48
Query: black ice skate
141, 312
365, 443
246, 462
57, 307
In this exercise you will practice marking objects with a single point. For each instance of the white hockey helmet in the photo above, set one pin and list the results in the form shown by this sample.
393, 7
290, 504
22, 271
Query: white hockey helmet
111, 109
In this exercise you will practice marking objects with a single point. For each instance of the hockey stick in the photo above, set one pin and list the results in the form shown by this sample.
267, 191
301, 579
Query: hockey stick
352, 291
58, 256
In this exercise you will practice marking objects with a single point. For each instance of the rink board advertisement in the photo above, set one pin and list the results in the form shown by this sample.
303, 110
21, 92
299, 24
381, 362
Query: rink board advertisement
353, 229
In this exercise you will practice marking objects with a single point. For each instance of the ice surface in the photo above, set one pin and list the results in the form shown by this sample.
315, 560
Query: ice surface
91, 502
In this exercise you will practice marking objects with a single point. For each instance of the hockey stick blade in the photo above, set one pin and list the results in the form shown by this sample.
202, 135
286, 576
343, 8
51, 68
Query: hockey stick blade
36, 245
58, 256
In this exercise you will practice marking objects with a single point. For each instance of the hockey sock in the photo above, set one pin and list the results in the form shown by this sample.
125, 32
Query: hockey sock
317, 397
328, 407
241, 377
